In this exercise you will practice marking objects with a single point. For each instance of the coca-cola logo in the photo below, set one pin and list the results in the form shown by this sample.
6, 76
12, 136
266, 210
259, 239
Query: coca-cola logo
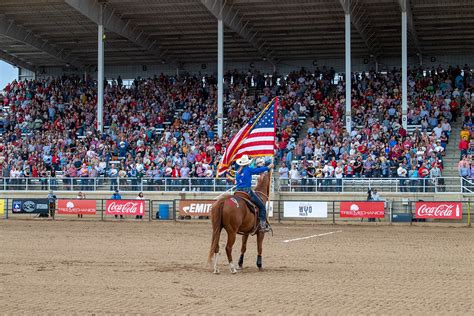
438, 210
125, 207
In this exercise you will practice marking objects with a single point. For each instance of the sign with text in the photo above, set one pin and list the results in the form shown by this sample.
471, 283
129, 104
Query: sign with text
2, 207
438, 210
125, 207
305, 209
195, 207
30, 206
72, 206
363, 209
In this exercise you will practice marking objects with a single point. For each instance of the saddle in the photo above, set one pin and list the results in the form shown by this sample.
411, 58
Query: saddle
246, 197
252, 207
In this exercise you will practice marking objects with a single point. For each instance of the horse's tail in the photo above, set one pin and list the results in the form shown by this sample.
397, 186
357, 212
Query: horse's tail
216, 219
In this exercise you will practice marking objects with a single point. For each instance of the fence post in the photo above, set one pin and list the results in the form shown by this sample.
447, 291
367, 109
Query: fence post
174, 210
150, 209
6, 208
214, 186
334, 212
141, 184
166, 180
390, 209
279, 210
102, 210
468, 213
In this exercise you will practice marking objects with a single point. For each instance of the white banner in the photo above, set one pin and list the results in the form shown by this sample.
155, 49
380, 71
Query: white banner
305, 209
269, 206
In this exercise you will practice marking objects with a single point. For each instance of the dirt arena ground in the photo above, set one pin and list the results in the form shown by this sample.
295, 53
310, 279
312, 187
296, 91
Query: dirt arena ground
83, 267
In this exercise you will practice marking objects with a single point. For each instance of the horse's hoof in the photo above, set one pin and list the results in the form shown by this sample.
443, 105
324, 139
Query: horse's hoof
216, 272
260, 269
240, 267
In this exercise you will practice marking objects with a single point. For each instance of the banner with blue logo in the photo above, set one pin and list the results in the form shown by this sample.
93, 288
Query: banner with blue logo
30, 206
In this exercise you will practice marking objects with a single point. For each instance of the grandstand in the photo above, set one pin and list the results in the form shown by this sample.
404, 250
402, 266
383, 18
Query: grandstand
162, 104
122, 111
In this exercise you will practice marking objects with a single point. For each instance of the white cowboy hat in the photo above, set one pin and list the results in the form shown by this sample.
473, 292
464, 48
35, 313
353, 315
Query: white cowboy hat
244, 160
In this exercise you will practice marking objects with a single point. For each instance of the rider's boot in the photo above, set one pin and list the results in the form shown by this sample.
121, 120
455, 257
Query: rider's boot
264, 226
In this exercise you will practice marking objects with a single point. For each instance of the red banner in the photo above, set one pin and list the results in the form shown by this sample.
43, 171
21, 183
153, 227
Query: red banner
125, 207
86, 207
441, 210
363, 209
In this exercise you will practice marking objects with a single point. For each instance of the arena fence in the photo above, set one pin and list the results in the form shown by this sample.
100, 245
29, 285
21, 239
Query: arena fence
323, 211
345, 185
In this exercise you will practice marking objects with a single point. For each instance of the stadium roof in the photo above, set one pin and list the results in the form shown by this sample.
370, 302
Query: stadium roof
36, 33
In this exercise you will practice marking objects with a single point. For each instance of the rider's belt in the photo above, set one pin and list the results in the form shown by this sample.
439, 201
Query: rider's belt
246, 189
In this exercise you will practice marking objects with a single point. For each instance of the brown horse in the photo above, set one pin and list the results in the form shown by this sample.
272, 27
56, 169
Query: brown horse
233, 214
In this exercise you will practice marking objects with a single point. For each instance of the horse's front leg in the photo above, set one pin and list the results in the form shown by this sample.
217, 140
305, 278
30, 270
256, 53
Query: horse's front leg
260, 236
242, 250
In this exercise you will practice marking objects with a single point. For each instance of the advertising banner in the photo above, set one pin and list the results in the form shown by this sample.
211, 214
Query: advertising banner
305, 209
2, 207
195, 207
363, 209
72, 206
31, 206
125, 207
439, 210
203, 207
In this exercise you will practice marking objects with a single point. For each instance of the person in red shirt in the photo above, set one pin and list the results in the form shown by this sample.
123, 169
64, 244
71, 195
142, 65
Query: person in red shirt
463, 146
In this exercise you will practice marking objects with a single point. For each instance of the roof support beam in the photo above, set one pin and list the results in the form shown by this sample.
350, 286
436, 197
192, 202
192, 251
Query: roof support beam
10, 29
112, 22
233, 20
405, 7
363, 25
12, 60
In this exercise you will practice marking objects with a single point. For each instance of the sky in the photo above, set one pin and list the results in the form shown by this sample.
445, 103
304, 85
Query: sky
7, 74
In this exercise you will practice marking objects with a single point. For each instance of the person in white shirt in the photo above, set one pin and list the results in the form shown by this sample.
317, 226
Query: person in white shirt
338, 174
438, 130
294, 175
328, 172
139, 197
283, 173
402, 174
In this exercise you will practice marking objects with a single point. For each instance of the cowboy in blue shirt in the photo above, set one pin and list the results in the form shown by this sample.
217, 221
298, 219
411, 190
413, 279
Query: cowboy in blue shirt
243, 177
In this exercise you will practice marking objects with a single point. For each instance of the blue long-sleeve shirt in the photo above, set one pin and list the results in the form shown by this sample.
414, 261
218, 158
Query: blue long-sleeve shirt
244, 178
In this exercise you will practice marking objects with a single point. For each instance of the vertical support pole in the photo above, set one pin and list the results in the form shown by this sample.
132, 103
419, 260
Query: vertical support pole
468, 213
7, 208
220, 77
100, 74
404, 70
348, 73
102, 210
376, 65
333, 212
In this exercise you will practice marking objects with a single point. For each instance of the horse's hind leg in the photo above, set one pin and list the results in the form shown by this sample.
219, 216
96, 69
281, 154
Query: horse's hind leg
231, 235
260, 236
242, 250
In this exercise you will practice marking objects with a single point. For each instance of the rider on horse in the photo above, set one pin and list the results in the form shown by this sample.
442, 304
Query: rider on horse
243, 178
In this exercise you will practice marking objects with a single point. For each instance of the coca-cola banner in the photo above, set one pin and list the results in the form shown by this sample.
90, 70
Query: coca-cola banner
363, 209
441, 210
125, 207
73, 206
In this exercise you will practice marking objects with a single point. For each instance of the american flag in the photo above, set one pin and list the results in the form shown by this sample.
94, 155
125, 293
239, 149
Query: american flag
255, 139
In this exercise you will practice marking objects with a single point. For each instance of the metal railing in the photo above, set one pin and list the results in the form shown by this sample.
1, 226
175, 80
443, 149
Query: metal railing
346, 185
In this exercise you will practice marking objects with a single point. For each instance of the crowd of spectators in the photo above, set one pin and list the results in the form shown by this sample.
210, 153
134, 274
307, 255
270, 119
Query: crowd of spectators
378, 146
156, 128
166, 126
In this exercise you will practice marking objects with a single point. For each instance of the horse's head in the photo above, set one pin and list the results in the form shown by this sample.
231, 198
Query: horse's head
263, 183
